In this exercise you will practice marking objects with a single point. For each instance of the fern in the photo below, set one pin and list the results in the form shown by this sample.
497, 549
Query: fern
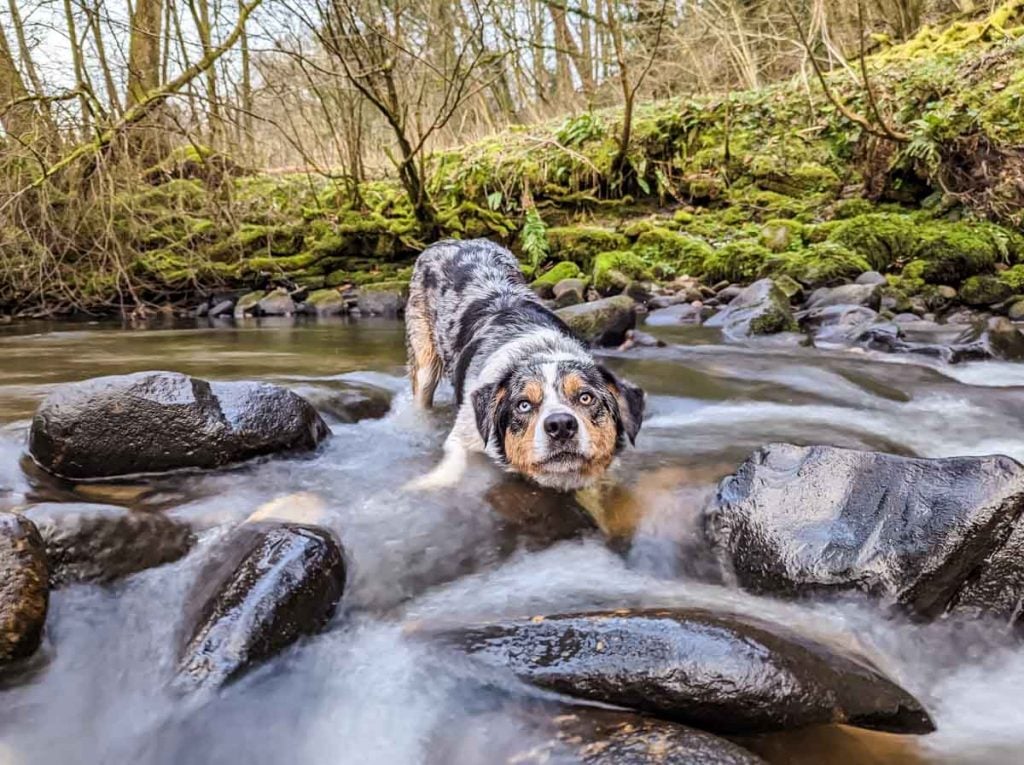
576, 131
534, 238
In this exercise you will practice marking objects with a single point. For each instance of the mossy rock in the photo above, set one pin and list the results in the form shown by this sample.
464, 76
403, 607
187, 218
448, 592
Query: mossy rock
953, 252
736, 262
773, 173
782, 234
881, 238
1014, 278
984, 291
686, 253
820, 265
613, 271
581, 244
545, 283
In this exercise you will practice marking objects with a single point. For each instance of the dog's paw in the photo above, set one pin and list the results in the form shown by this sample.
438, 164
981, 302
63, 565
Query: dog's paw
432, 481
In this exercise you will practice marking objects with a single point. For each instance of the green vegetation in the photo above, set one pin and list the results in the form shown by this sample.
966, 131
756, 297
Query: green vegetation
772, 182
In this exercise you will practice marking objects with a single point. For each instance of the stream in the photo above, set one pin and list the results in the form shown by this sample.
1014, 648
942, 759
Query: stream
363, 691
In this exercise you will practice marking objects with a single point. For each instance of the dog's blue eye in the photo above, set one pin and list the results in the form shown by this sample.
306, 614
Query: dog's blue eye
524, 406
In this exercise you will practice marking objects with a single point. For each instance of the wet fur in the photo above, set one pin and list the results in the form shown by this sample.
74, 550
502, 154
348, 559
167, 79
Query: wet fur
471, 318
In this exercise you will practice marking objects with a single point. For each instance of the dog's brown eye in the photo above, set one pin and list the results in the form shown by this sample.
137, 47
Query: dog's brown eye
586, 398
524, 406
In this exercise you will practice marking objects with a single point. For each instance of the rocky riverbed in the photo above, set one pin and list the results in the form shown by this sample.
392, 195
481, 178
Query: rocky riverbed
268, 592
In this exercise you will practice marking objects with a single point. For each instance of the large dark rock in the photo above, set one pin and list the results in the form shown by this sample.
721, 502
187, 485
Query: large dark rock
996, 338
540, 734
601, 322
269, 584
24, 593
349, 402
100, 543
796, 519
718, 672
155, 421
760, 309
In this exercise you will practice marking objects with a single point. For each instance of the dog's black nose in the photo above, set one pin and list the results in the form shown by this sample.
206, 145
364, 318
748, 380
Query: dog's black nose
561, 426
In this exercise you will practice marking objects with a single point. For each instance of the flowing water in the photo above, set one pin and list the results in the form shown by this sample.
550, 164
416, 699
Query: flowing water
365, 691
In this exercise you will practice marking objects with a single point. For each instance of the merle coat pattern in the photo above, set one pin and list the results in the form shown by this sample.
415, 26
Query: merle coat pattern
527, 391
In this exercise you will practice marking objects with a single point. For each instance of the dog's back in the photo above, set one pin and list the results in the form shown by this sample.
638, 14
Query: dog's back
472, 299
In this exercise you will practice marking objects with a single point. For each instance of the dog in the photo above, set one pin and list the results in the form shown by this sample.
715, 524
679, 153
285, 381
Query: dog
528, 392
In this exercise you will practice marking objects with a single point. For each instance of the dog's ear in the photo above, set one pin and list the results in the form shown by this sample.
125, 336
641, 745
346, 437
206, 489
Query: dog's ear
485, 404
631, 400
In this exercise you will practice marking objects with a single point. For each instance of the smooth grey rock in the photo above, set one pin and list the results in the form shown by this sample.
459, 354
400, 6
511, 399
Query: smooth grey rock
716, 671
848, 294
601, 322
88, 542
155, 421
24, 589
796, 520
870, 278
277, 303
760, 309
674, 315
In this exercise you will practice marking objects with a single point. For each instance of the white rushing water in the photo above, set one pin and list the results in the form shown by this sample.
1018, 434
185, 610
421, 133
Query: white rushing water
365, 690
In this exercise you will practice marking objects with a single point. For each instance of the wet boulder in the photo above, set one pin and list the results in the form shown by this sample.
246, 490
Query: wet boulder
674, 315
541, 733
812, 519
601, 322
156, 421
269, 584
837, 323
88, 542
760, 309
719, 672
383, 298
24, 593
997, 338
276, 303
869, 295
325, 302
349, 402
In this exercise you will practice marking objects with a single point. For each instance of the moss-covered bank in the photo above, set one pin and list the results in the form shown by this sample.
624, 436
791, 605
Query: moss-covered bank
773, 182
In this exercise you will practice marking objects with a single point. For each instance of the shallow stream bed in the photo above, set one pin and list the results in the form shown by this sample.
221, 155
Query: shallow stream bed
364, 691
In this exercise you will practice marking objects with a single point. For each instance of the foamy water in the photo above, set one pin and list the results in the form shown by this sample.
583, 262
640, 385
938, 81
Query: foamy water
365, 690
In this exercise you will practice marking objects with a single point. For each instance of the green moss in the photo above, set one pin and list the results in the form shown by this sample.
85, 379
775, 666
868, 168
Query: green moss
782, 234
686, 254
736, 262
950, 253
614, 270
882, 239
823, 264
581, 244
1014, 278
985, 290
397, 285
546, 281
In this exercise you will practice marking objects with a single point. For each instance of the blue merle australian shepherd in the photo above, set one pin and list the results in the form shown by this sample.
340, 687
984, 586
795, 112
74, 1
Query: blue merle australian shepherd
528, 392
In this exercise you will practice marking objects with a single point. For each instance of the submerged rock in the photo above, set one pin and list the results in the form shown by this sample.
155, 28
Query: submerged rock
271, 583
849, 294
806, 519
718, 672
674, 315
837, 323
601, 322
24, 593
383, 298
352, 402
760, 309
100, 543
156, 421
998, 338
277, 303
539, 734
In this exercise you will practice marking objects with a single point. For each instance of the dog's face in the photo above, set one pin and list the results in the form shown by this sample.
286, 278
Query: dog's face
558, 423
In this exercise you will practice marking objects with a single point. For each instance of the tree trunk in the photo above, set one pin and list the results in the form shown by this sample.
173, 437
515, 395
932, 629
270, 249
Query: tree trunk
19, 115
144, 50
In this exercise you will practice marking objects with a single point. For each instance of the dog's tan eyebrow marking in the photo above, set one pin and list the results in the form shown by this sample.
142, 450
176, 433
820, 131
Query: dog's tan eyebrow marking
572, 384
534, 391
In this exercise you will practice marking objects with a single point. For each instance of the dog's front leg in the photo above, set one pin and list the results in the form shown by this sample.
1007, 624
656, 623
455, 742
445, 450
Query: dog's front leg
463, 439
